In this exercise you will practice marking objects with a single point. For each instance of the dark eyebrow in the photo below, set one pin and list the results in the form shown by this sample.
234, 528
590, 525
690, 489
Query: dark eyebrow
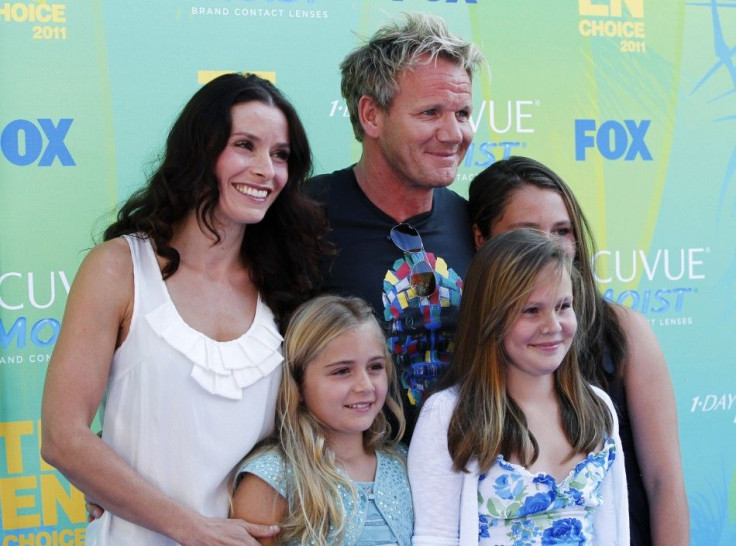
245, 134
255, 138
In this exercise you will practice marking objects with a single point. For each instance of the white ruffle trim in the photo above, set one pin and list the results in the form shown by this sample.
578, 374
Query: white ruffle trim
223, 368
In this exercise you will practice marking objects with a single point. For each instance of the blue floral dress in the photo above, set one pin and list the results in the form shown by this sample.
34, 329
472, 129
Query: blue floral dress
518, 508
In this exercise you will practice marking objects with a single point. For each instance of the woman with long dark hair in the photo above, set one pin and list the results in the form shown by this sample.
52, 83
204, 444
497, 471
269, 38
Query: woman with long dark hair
174, 322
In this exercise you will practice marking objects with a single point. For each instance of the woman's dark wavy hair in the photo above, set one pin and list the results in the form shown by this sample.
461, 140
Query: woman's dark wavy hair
490, 192
282, 251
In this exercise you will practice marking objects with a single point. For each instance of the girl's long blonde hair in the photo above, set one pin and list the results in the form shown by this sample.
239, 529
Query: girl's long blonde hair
313, 482
487, 421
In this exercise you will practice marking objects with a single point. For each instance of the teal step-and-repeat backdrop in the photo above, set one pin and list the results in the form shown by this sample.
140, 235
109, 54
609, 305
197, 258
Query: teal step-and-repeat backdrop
633, 102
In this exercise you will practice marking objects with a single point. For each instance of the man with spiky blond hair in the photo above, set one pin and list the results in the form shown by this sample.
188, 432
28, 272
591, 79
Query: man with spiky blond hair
403, 238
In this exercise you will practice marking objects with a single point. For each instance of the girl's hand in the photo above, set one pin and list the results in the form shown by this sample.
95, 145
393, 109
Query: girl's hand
94, 511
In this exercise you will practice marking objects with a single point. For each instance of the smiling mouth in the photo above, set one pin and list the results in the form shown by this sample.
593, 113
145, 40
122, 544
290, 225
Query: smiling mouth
250, 191
364, 405
445, 155
548, 346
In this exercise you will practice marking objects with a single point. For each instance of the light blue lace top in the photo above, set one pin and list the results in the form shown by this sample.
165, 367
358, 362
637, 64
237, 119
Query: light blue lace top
517, 507
384, 513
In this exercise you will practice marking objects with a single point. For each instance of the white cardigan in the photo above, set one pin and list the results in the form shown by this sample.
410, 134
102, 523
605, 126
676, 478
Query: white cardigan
446, 501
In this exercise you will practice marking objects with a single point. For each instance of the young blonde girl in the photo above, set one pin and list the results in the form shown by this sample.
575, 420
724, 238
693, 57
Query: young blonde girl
332, 473
523, 450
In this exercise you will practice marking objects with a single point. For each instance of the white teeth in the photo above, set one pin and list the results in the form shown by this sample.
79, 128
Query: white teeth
247, 190
359, 406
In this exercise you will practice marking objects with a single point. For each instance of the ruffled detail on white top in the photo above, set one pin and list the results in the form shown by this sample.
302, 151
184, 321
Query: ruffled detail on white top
223, 368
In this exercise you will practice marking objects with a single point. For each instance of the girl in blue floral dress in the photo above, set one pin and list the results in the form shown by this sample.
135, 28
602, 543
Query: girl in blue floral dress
518, 448
333, 472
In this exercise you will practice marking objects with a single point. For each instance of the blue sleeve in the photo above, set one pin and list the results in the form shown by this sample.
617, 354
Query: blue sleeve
268, 466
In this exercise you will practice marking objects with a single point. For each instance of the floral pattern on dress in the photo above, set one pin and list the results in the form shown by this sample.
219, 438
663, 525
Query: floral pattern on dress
523, 509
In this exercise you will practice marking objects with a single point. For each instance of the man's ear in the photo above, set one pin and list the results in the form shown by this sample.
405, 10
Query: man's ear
370, 115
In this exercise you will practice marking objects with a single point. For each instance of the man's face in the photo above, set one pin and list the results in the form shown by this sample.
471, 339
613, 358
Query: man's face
424, 134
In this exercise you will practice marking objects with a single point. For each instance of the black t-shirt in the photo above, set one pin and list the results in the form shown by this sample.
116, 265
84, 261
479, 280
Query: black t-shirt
420, 331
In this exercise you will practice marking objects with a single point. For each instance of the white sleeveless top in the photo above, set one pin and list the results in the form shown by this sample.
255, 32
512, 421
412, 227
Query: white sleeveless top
181, 408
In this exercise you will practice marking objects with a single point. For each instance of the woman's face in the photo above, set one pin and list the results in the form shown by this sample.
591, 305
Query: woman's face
540, 209
252, 169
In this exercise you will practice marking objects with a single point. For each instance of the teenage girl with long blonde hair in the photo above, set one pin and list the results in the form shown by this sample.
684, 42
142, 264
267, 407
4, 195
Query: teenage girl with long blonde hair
521, 447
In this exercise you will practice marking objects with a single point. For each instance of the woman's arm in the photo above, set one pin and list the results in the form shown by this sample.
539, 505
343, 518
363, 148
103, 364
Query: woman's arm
96, 319
256, 501
653, 413
435, 487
